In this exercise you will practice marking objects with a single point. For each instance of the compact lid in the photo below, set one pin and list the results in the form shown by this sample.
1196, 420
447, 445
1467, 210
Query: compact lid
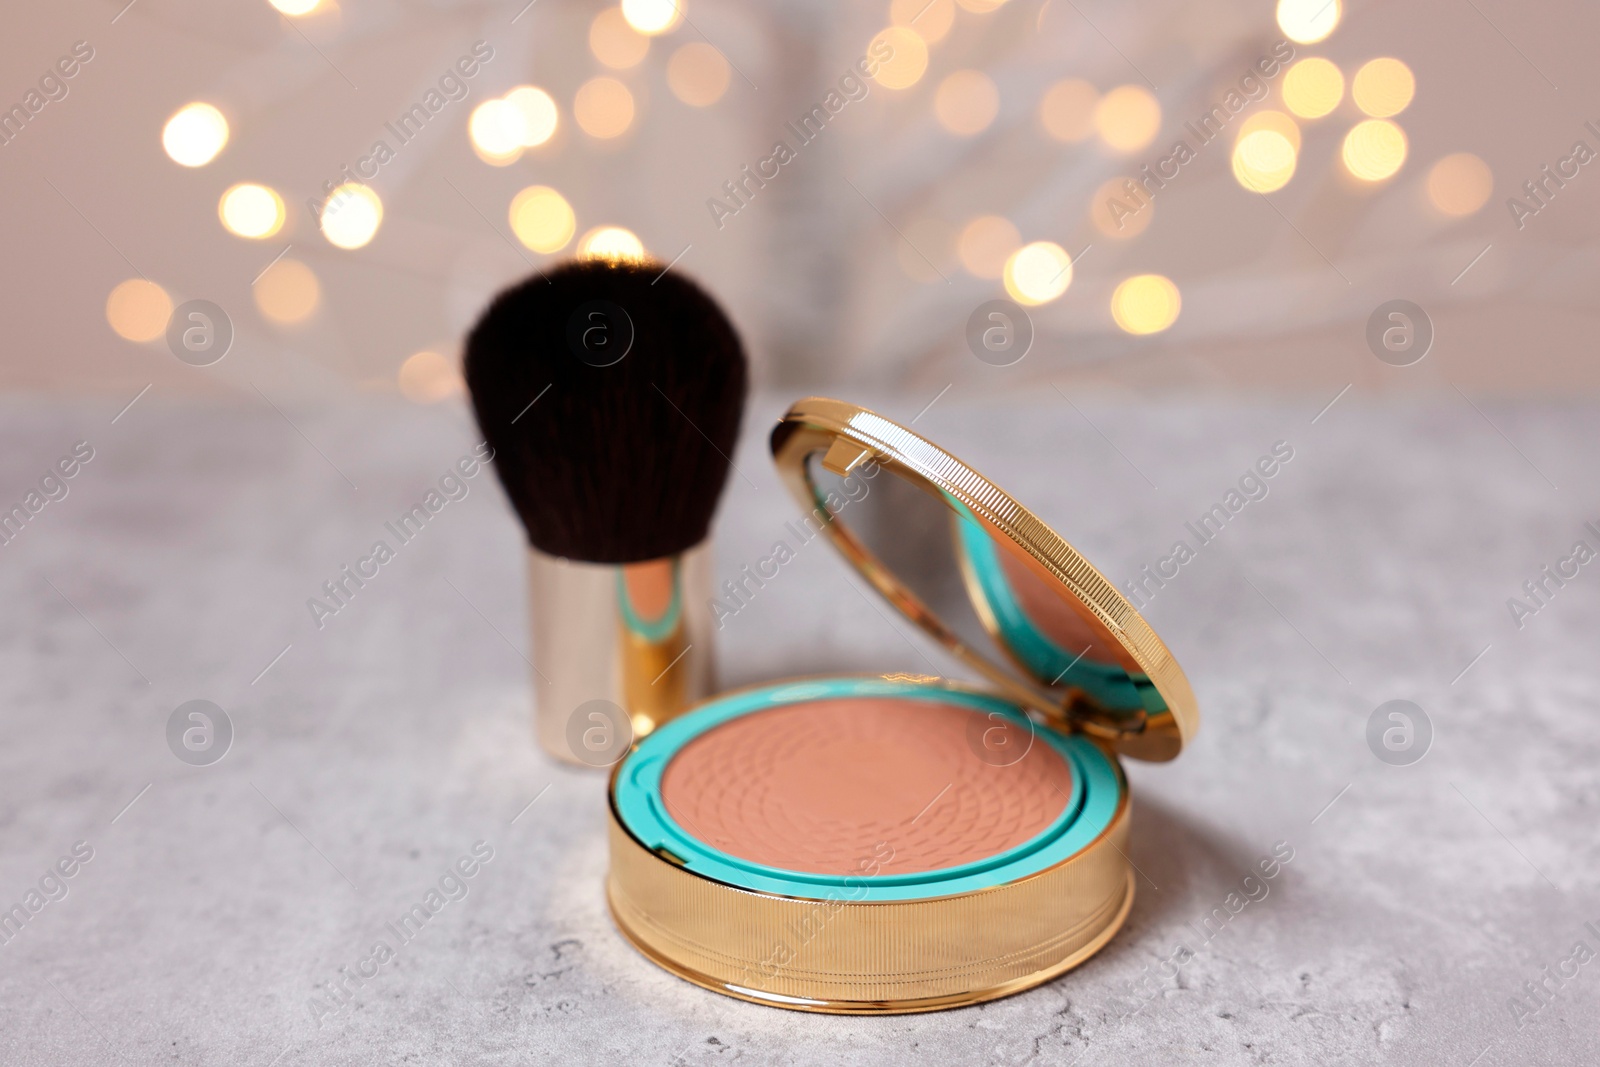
985, 577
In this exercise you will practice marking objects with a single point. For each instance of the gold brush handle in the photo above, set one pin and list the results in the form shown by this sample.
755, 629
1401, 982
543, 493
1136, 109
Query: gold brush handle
584, 648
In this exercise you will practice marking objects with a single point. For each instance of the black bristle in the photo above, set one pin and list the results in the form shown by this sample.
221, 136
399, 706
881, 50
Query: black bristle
619, 463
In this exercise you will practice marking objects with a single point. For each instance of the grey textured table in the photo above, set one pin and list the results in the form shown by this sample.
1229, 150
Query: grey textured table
221, 901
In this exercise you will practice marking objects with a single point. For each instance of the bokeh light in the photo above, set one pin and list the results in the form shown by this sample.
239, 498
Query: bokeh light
612, 243
295, 7
427, 377
984, 245
1120, 212
930, 19
1374, 150
287, 293
1460, 184
1127, 118
1275, 121
1383, 87
251, 210
352, 215
698, 74
1067, 110
980, 7
1263, 161
1145, 303
1037, 273
195, 134
652, 17
1308, 21
614, 42
138, 310
542, 219
538, 111
909, 61
966, 102
603, 108
497, 129
1312, 87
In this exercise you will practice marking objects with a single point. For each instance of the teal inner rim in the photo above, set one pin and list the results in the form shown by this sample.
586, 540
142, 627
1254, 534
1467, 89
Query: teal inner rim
1108, 684
1096, 791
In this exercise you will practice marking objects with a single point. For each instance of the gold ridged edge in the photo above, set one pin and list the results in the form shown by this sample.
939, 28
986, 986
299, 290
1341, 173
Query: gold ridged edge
979, 930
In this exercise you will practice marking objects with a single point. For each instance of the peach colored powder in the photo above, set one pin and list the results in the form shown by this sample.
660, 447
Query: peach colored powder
835, 786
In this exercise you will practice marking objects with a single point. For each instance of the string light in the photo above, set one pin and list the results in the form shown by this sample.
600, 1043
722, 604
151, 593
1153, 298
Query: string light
542, 219
287, 293
613, 244
1312, 87
1383, 88
603, 108
1127, 118
195, 134
653, 17
698, 74
352, 215
250, 210
1374, 150
497, 129
1460, 184
984, 244
1145, 304
1067, 110
908, 59
614, 42
1308, 21
428, 377
138, 310
538, 114
1037, 273
966, 102
928, 19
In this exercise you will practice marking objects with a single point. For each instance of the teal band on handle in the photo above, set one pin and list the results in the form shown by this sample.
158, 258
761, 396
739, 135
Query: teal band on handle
1096, 792
660, 629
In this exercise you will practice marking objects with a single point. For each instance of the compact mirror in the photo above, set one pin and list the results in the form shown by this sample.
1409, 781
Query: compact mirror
988, 580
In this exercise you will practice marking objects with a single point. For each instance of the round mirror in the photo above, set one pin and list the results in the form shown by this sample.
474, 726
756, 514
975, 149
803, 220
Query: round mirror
989, 581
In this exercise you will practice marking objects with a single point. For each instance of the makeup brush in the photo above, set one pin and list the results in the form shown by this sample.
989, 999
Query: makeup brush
611, 393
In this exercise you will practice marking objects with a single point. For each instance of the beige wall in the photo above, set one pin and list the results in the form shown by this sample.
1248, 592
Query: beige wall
1275, 295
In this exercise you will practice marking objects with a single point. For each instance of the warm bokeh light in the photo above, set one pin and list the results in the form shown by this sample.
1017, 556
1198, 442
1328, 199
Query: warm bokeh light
1121, 212
652, 17
542, 219
1127, 118
138, 310
603, 108
909, 61
698, 74
1263, 161
497, 129
1374, 150
1067, 110
251, 210
1145, 303
1038, 273
287, 293
296, 7
1460, 184
538, 112
614, 42
931, 19
611, 243
1312, 87
1383, 87
352, 215
1308, 21
927, 251
195, 134
427, 378
966, 102
980, 7
984, 244
1276, 121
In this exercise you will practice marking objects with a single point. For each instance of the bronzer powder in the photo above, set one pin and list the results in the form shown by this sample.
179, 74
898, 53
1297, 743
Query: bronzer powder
822, 787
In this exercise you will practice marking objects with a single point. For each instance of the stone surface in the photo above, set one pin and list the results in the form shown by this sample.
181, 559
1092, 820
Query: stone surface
222, 900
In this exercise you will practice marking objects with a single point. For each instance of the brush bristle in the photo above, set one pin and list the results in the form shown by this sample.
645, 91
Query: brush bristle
619, 463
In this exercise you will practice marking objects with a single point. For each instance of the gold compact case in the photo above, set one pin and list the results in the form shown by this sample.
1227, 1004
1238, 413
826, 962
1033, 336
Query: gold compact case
901, 843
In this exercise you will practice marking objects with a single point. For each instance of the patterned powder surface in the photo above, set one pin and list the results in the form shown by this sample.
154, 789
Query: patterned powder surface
821, 787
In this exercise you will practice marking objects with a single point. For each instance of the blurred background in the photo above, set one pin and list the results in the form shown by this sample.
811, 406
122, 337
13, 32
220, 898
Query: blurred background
1355, 154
